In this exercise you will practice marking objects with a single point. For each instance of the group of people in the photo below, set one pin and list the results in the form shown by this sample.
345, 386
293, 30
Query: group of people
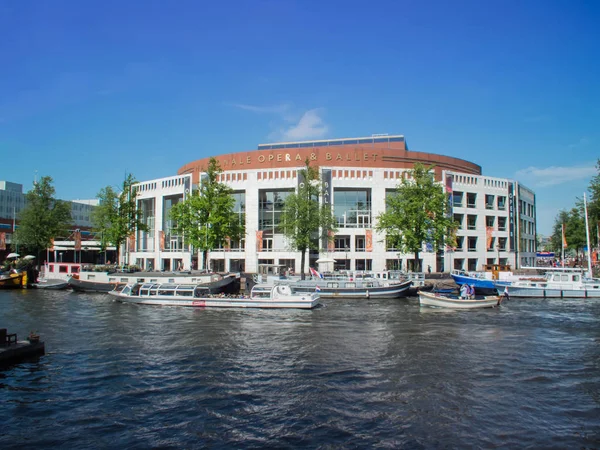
467, 292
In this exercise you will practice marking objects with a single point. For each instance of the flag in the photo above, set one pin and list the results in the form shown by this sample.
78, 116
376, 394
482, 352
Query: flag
489, 236
314, 273
77, 240
369, 240
564, 238
317, 289
3, 241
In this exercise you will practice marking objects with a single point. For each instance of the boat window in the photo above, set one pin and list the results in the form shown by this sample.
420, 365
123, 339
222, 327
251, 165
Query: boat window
124, 280
144, 292
334, 285
63, 269
564, 277
576, 278
75, 269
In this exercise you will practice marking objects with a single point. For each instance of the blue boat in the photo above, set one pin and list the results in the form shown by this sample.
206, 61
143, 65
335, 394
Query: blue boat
482, 285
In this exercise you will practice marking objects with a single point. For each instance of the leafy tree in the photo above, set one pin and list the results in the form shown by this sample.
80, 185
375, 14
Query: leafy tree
303, 219
594, 205
418, 213
117, 216
555, 242
207, 218
43, 217
574, 223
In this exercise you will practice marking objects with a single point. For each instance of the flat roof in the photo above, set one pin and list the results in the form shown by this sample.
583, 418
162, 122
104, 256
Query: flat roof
377, 138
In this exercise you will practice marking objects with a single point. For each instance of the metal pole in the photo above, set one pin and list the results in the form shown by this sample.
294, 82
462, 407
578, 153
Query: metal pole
587, 236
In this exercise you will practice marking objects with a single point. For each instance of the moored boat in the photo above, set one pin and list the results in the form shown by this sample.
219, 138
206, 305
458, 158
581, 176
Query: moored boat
439, 300
482, 284
352, 288
106, 281
12, 280
557, 283
50, 284
261, 296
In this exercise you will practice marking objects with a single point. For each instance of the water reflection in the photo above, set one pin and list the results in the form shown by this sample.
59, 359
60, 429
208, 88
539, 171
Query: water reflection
350, 374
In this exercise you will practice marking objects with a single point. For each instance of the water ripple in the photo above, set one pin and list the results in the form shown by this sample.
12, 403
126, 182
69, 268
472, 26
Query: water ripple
353, 374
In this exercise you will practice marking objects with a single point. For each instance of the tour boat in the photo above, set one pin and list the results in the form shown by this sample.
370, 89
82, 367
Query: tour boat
557, 283
106, 281
437, 299
261, 296
352, 288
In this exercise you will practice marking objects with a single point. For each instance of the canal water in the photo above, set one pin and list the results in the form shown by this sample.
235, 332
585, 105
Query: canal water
350, 374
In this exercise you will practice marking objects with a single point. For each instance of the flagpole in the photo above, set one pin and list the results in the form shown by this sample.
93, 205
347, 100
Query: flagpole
562, 259
587, 237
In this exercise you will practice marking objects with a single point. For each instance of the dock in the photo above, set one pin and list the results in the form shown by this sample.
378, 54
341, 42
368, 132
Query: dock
12, 350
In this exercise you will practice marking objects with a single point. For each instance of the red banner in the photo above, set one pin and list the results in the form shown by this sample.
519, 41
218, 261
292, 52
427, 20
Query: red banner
488, 234
77, 240
161, 240
3, 241
330, 241
564, 237
227, 244
259, 243
131, 240
369, 240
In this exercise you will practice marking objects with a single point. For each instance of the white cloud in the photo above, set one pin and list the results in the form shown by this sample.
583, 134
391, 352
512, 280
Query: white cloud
552, 176
310, 126
272, 109
583, 141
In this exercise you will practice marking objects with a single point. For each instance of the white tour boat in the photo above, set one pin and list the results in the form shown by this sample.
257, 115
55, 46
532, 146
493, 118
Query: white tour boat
261, 296
446, 301
557, 283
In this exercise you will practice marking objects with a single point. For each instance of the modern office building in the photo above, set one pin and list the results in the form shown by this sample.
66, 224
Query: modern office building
497, 216
13, 200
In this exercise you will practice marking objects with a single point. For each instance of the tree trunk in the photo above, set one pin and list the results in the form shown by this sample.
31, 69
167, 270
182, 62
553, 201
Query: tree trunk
417, 263
302, 259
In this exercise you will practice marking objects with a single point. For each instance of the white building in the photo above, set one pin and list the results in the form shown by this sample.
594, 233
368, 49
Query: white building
497, 216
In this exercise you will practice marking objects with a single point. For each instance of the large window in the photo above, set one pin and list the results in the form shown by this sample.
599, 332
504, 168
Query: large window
173, 240
270, 208
352, 208
240, 209
145, 240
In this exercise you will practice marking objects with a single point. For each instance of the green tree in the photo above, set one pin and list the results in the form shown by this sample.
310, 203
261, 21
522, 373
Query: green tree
43, 218
207, 217
555, 242
105, 215
117, 217
594, 205
574, 225
418, 212
304, 220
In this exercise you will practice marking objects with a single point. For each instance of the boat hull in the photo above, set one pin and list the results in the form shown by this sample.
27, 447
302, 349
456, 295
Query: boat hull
51, 284
11, 280
104, 287
549, 292
334, 289
220, 302
443, 301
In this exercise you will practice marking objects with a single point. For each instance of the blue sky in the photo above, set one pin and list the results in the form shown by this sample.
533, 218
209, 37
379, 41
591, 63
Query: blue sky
91, 90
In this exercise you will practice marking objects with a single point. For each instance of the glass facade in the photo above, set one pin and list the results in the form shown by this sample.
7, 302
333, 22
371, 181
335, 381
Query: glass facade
270, 208
145, 240
352, 208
